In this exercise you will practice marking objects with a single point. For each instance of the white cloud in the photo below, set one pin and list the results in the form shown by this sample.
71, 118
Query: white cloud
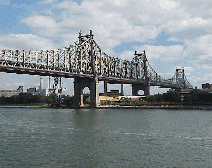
199, 46
120, 3
113, 22
198, 81
40, 21
47, 1
200, 8
188, 69
5, 2
19, 84
128, 55
25, 42
68, 4
163, 53
166, 4
43, 25
174, 39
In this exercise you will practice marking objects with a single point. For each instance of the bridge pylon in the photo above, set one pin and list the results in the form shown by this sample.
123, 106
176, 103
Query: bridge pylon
145, 86
79, 85
92, 83
136, 87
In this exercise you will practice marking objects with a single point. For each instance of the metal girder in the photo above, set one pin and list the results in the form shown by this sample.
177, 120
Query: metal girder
85, 59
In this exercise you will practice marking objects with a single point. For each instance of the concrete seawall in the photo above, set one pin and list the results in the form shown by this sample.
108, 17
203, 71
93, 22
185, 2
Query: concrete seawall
157, 107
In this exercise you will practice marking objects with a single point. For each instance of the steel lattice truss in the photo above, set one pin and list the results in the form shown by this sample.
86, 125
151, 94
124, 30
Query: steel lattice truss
85, 59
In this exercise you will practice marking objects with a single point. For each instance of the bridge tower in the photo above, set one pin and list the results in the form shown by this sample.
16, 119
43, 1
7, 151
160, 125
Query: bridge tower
144, 86
91, 82
180, 77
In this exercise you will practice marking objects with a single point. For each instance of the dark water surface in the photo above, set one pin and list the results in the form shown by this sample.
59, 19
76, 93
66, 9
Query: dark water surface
105, 138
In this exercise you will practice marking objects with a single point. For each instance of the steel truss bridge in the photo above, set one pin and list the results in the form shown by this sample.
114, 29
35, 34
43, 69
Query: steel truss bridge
88, 64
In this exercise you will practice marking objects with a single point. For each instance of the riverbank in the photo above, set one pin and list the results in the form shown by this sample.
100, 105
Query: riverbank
22, 107
127, 107
157, 107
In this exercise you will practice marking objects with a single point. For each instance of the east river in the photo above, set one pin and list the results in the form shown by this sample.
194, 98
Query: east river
105, 138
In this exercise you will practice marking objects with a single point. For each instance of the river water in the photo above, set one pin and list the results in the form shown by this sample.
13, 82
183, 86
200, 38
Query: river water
105, 138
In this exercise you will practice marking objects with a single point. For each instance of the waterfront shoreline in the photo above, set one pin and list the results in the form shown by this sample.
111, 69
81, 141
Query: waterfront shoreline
127, 107
157, 107
21, 107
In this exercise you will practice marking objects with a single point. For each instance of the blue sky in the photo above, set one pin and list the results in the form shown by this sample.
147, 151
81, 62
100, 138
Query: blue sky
172, 32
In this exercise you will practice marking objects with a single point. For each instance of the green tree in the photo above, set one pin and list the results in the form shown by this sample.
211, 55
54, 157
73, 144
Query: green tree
67, 100
187, 98
24, 98
125, 101
37, 99
48, 100
171, 96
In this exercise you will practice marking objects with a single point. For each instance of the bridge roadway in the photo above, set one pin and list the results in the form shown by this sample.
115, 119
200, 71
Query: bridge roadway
66, 74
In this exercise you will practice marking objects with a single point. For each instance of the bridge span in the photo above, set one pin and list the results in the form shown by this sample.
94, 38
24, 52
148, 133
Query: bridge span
88, 64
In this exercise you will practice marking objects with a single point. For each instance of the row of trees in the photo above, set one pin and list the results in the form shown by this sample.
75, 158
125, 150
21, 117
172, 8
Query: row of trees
22, 98
29, 99
170, 97
193, 97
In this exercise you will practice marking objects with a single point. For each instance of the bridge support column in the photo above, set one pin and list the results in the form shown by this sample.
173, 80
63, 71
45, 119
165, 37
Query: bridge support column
78, 93
105, 88
94, 93
122, 89
79, 85
136, 87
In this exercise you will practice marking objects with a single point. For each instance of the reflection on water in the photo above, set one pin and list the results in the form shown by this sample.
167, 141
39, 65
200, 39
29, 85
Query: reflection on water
105, 138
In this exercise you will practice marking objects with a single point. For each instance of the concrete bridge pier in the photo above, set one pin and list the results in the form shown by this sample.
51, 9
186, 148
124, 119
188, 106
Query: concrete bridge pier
122, 89
105, 88
136, 87
79, 85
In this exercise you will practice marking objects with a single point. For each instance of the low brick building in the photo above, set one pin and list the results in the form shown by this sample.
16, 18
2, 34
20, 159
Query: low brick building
9, 93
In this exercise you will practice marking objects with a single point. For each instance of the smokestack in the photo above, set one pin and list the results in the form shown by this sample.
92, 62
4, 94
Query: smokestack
49, 83
41, 83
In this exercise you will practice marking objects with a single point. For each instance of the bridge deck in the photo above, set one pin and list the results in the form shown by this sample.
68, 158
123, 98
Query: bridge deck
61, 73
